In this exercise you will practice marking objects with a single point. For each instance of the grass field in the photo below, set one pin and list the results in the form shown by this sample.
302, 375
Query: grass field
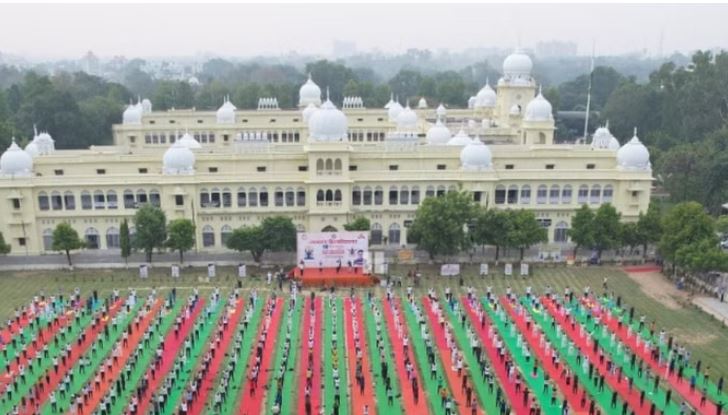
705, 336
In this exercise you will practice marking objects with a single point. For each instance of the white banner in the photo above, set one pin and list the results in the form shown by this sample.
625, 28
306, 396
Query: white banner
524, 269
326, 249
449, 270
483, 269
509, 269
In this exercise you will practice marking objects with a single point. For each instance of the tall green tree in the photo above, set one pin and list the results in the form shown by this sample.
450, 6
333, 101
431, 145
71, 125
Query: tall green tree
65, 239
649, 228
359, 223
628, 236
247, 238
492, 227
684, 225
180, 236
605, 229
440, 223
125, 241
702, 256
279, 234
582, 230
4, 247
151, 230
526, 231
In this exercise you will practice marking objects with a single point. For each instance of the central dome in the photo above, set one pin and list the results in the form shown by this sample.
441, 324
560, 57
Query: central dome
310, 93
178, 159
517, 64
475, 156
438, 134
328, 124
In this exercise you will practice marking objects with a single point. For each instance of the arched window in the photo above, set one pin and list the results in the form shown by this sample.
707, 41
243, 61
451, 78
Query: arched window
92, 238
329, 195
525, 194
86, 203
367, 196
378, 195
415, 195
566, 194
129, 202
320, 196
541, 194
242, 197
204, 198
227, 198
48, 240
541, 138
393, 195
225, 233
356, 196
430, 192
561, 232
595, 195
290, 196
252, 197
263, 197
337, 195
329, 164
337, 165
301, 197
111, 201
394, 234
404, 195
56, 200
376, 234
319, 165
43, 202
69, 200
99, 200
608, 194
583, 195
278, 197
500, 194
208, 236
440, 190
512, 194
154, 198
554, 194
141, 197
112, 238
214, 197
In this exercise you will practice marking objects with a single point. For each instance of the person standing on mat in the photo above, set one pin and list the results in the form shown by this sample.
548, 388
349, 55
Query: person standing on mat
338, 265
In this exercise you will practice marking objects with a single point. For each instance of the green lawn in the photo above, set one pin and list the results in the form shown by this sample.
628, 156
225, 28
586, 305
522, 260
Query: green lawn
707, 338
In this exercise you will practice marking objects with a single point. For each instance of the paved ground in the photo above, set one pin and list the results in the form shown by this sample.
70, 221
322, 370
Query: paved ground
714, 307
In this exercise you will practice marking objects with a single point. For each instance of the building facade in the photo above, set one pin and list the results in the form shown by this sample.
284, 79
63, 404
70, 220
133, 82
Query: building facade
321, 166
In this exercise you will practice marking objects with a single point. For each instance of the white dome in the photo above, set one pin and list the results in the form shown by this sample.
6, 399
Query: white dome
441, 111
613, 143
146, 106
389, 104
16, 162
132, 114
328, 123
603, 139
471, 102
475, 156
407, 119
515, 109
394, 110
539, 109
32, 149
438, 134
460, 139
422, 104
517, 64
178, 159
634, 155
189, 141
310, 93
309, 111
486, 97
226, 113
45, 143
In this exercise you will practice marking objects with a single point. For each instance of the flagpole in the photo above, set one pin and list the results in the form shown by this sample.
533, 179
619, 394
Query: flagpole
588, 96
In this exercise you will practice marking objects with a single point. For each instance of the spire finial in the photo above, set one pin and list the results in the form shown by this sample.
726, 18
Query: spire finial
540, 87
309, 75
487, 80
13, 139
35, 130
635, 131
607, 125
328, 95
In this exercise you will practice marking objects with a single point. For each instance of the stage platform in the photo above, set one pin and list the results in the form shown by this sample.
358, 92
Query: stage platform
327, 277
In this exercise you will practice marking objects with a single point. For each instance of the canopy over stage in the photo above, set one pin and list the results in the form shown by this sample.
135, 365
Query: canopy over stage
333, 259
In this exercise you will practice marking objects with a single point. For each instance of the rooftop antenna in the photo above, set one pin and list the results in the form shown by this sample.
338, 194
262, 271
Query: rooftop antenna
588, 95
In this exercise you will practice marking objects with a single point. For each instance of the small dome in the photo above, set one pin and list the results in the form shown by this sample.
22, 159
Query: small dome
603, 139
441, 111
178, 159
475, 156
460, 139
146, 106
486, 97
515, 110
634, 155
309, 111
32, 149
394, 110
407, 119
422, 104
328, 124
471, 102
539, 109
45, 143
438, 134
16, 162
310, 93
226, 113
189, 141
132, 114
517, 64
613, 143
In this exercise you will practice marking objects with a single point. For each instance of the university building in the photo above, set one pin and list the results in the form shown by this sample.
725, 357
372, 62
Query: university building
320, 165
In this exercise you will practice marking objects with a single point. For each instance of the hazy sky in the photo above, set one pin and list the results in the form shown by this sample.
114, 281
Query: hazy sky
57, 30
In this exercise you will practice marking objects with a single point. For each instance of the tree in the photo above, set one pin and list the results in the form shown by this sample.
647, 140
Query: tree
628, 236
4, 247
702, 256
359, 223
247, 238
279, 234
721, 225
151, 229
125, 241
605, 229
440, 222
180, 236
684, 225
649, 228
492, 227
65, 239
526, 230
581, 231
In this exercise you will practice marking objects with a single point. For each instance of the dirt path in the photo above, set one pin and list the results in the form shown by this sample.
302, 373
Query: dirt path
656, 286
